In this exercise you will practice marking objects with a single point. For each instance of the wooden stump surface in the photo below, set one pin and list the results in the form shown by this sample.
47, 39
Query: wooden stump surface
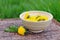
51, 33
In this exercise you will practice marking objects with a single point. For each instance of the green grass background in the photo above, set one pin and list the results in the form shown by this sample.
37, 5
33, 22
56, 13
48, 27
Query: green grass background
12, 8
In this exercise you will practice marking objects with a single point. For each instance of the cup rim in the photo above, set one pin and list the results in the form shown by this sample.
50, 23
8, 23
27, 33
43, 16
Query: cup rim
36, 11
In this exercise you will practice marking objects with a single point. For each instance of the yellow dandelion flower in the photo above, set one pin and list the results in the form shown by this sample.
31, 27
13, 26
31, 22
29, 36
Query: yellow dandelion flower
21, 30
33, 18
41, 18
26, 15
44, 17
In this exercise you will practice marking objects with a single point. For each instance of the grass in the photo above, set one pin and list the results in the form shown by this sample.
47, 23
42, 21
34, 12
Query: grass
12, 8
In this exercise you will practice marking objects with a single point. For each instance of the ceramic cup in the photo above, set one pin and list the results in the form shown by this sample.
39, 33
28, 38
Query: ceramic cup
36, 27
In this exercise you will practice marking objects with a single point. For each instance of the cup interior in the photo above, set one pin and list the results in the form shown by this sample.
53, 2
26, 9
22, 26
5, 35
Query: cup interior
49, 15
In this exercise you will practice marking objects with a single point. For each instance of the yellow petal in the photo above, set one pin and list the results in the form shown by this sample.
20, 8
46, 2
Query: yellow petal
42, 17
26, 15
33, 18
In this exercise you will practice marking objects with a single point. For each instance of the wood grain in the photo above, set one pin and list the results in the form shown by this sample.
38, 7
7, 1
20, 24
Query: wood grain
51, 33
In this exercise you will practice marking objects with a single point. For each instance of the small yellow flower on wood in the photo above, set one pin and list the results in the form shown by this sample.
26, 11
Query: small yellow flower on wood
21, 30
